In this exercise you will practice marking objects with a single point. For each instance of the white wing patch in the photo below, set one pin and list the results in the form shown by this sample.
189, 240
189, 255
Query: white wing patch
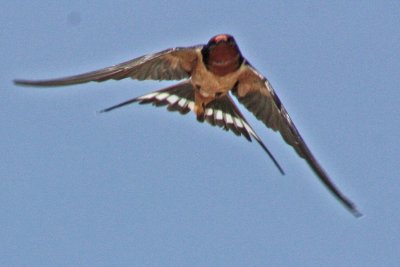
250, 130
191, 105
182, 102
162, 96
238, 122
170, 99
228, 118
221, 112
218, 115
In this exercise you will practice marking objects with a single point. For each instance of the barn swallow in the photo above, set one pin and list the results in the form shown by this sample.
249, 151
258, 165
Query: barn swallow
211, 74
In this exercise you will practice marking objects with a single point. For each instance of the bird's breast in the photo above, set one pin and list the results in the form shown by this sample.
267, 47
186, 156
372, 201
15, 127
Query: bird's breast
210, 84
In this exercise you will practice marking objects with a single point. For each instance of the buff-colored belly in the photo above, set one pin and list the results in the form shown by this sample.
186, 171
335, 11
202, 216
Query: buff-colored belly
211, 85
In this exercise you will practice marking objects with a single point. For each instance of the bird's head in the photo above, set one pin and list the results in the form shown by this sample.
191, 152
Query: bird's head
221, 55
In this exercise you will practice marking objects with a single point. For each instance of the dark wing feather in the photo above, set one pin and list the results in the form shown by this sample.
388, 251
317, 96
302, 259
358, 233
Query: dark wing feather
221, 112
256, 93
170, 64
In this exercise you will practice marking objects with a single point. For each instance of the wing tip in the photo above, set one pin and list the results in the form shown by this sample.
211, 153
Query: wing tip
352, 208
20, 82
36, 83
103, 110
357, 213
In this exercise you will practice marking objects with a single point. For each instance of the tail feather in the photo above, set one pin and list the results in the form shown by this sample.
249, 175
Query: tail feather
221, 112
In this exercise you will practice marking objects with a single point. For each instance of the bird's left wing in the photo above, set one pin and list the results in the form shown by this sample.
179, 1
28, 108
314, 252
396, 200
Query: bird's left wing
255, 92
170, 64
221, 112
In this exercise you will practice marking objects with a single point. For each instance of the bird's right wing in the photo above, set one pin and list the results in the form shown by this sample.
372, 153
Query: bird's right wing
170, 64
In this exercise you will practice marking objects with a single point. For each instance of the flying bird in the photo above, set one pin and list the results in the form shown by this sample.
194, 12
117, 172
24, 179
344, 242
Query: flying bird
211, 74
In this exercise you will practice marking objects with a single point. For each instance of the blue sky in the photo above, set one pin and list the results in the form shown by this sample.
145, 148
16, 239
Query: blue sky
144, 187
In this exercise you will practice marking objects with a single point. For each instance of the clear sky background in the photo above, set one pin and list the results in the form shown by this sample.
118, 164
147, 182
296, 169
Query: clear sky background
144, 187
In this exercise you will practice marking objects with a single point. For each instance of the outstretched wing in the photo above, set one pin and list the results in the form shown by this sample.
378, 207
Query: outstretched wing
256, 93
170, 64
221, 112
